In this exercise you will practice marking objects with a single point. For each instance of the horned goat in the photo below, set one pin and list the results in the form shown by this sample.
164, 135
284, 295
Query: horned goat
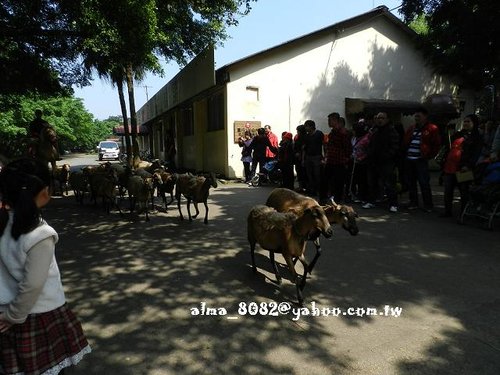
286, 200
285, 233
195, 189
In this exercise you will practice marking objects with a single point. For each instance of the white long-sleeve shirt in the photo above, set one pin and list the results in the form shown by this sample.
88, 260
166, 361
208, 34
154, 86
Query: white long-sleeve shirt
30, 281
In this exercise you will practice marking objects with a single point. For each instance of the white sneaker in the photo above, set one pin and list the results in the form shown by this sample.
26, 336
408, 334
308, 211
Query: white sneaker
393, 209
368, 205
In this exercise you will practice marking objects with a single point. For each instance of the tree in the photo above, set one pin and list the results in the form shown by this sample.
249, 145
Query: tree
133, 34
75, 126
461, 37
39, 47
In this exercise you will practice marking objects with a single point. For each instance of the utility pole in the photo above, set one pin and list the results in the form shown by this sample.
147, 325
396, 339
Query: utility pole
146, 89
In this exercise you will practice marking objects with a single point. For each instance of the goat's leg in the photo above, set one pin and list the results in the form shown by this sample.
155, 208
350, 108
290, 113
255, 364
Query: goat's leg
296, 278
306, 267
206, 212
189, 209
315, 259
147, 213
131, 200
252, 254
275, 268
179, 206
115, 203
195, 204
171, 198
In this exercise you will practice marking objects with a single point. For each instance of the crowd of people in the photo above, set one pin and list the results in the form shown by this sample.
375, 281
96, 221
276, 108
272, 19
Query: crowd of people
376, 161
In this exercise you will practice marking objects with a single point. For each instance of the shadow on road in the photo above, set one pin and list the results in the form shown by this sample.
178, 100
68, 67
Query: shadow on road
133, 285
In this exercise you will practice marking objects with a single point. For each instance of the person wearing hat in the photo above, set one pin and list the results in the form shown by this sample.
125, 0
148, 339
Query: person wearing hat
286, 160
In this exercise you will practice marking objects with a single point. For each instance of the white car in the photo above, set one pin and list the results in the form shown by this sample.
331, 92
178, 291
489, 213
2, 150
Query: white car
108, 150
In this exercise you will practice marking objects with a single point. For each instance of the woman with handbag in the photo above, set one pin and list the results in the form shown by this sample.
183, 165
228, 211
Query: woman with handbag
459, 163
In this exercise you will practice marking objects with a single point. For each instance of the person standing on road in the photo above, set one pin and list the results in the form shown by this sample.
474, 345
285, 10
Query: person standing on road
313, 157
298, 148
464, 152
338, 150
39, 334
285, 160
273, 140
422, 143
246, 154
382, 153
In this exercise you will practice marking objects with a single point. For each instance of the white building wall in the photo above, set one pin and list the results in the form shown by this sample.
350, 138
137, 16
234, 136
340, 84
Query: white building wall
311, 79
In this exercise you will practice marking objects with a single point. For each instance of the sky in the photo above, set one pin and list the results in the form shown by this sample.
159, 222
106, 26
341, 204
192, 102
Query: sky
269, 23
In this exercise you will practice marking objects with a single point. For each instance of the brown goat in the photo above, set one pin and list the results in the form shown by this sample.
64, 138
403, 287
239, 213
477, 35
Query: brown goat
164, 182
61, 175
286, 200
195, 189
287, 234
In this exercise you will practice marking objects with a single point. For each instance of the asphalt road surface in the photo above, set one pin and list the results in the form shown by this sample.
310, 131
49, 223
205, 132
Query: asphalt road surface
136, 286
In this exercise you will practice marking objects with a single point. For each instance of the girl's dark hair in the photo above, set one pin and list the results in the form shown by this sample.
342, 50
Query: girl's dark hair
20, 182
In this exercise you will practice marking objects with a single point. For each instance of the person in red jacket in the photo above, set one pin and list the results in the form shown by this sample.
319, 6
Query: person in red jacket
273, 139
422, 142
463, 154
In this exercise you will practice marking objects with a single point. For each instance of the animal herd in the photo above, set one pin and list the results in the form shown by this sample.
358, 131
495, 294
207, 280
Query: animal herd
111, 183
283, 225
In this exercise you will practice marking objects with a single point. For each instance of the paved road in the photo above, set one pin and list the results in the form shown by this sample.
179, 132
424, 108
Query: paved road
133, 285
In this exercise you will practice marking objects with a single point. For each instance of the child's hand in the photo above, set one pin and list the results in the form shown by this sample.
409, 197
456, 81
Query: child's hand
4, 325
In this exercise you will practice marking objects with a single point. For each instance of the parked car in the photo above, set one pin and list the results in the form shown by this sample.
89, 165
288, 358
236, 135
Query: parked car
108, 150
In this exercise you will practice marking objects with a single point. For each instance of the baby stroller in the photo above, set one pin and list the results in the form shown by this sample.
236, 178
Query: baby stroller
484, 200
271, 174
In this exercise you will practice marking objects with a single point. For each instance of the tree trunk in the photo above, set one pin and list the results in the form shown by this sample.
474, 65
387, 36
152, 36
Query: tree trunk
131, 102
123, 106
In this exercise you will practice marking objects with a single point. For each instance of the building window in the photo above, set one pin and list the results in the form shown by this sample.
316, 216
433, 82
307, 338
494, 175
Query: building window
252, 94
216, 112
187, 121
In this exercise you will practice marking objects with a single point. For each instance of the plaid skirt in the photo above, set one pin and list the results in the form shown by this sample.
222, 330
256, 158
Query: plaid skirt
44, 344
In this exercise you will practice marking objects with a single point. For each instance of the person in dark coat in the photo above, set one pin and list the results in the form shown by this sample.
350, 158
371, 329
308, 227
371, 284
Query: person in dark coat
383, 150
465, 150
286, 159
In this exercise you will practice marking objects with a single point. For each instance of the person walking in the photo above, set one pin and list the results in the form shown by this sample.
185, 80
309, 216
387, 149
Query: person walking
383, 150
463, 155
422, 143
39, 334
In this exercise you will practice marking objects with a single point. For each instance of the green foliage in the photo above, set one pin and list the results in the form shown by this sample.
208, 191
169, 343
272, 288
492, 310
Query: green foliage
463, 37
420, 25
39, 47
75, 126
